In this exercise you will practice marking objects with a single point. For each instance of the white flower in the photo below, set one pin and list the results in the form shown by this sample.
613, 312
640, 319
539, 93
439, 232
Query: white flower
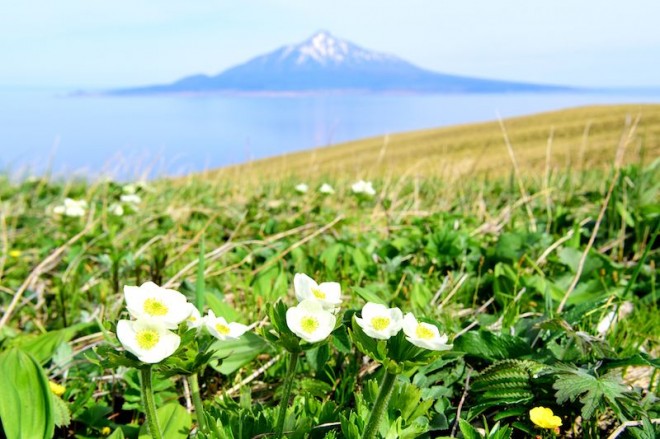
363, 187
310, 321
195, 319
147, 339
379, 321
612, 317
424, 335
328, 294
71, 207
160, 304
116, 209
326, 189
130, 189
302, 188
131, 199
220, 329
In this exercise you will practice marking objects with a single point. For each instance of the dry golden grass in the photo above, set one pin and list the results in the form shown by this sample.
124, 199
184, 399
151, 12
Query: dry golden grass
580, 138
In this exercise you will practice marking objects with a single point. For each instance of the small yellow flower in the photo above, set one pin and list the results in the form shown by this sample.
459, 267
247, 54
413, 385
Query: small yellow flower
57, 389
544, 418
105, 431
15, 253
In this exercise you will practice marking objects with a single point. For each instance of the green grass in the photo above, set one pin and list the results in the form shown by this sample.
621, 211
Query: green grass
489, 258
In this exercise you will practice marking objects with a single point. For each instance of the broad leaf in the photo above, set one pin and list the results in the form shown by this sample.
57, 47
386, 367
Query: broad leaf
174, 421
26, 405
574, 382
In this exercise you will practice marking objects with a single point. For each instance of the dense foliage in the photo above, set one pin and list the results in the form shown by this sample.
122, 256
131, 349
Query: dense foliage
546, 286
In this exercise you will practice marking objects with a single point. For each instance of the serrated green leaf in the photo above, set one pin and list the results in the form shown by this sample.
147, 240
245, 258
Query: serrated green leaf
491, 346
469, 432
573, 382
61, 414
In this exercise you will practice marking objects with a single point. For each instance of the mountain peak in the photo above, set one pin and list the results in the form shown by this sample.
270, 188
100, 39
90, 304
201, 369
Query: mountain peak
324, 62
323, 48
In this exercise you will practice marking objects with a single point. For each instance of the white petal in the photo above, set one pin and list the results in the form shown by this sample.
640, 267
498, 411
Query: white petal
195, 319
409, 325
311, 306
168, 344
302, 285
369, 330
332, 291
126, 335
237, 329
397, 319
293, 317
606, 322
175, 303
371, 310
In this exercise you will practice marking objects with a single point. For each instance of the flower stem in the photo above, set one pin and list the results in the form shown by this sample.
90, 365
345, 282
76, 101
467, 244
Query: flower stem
380, 407
197, 401
288, 384
149, 404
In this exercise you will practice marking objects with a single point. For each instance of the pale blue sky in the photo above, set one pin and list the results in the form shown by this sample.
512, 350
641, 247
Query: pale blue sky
94, 43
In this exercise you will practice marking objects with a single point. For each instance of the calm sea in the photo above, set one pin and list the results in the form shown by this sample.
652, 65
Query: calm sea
171, 135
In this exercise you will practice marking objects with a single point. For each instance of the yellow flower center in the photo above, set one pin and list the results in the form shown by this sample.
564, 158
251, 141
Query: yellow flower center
423, 332
318, 293
309, 324
154, 307
222, 329
147, 339
192, 318
380, 323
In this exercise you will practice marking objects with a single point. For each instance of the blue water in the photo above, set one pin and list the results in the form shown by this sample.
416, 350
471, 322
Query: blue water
128, 137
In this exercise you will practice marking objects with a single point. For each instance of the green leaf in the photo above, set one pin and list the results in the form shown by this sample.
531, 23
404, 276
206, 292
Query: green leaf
368, 345
370, 296
571, 258
220, 307
239, 352
174, 422
498, 432
468, 431
330, 256
117, 434
61, 414
576, 382
278, 332
43, 346
491, 346
26, 405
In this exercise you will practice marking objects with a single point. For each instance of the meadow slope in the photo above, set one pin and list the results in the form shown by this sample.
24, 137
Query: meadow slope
579, 138
544, 280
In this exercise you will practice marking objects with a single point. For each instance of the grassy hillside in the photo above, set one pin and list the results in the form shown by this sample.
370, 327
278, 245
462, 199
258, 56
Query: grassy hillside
546, 286
580, 138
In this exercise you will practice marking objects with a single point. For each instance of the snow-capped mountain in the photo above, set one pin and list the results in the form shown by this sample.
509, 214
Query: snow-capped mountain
323, 49
325, 63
